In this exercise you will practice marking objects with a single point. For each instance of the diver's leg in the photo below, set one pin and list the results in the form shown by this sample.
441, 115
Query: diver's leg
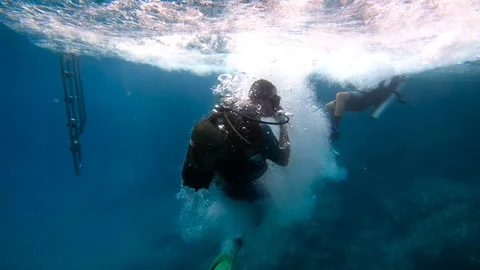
257, 195
261, 200
259, 213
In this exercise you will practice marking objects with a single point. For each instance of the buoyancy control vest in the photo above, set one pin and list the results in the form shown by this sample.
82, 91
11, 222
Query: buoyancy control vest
227, 144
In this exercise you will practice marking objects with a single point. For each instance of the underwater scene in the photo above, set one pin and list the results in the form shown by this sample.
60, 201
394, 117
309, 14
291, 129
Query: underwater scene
240, 134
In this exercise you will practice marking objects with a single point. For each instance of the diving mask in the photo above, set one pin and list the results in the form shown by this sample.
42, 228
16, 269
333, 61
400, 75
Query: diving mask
275, 101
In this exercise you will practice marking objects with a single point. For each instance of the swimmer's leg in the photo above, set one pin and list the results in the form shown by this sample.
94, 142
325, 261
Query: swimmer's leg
335, 110
340, 100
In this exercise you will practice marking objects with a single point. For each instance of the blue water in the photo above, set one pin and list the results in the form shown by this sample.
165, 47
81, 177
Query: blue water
409, 200
127, 194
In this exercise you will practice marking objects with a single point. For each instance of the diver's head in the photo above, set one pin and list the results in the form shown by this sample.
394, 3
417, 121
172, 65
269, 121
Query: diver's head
264, 95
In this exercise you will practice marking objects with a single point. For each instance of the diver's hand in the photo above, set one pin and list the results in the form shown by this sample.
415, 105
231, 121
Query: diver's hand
281, 116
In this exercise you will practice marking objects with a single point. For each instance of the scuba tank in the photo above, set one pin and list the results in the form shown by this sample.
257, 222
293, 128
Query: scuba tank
395, 96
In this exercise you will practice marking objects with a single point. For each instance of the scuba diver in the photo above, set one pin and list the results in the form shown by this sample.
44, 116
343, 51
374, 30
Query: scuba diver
232, 145
357, 100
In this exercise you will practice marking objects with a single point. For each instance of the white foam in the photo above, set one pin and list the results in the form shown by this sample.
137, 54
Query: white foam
360, 41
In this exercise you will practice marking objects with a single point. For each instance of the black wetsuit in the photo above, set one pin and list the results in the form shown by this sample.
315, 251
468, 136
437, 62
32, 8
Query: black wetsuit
239, 163
240, 173
361, 100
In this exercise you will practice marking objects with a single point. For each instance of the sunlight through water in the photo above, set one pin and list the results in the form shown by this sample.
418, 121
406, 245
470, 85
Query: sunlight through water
337, 39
